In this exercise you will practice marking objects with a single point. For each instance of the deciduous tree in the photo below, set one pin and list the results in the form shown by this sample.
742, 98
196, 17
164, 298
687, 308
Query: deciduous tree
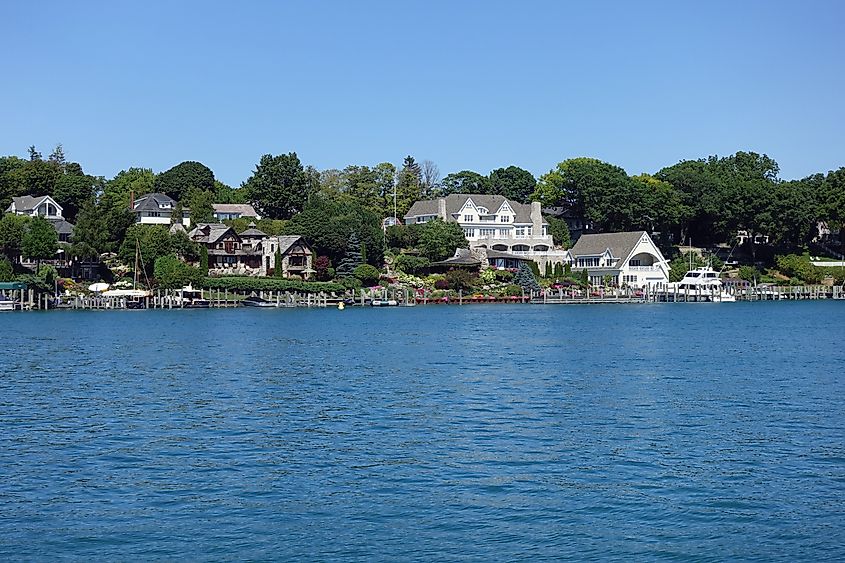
279, 186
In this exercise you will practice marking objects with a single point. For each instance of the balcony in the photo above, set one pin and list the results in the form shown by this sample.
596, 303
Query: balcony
643, 268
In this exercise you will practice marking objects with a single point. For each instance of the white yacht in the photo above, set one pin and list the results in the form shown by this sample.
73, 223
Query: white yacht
702, 284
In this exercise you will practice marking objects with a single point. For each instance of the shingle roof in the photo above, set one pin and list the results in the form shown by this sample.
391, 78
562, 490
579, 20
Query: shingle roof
423, 207
27, 203
253, 233
285, 242
62, 227
215, 232
620, 244
455, 202
151, 202
245, 209
462, 257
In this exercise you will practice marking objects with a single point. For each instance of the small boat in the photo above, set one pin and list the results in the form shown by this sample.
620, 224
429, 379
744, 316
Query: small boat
702, 284
256, 301
384, 303
7, 304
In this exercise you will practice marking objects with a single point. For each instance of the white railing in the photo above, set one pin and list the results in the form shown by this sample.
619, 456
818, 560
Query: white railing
643, 268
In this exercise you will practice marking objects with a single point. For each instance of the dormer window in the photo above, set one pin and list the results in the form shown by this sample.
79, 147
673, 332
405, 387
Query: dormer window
482, 211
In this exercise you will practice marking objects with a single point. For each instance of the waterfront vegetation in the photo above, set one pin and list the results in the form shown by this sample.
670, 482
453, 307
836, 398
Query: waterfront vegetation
340, 214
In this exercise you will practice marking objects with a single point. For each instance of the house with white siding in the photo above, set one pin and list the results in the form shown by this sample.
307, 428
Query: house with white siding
628, 259
493, 222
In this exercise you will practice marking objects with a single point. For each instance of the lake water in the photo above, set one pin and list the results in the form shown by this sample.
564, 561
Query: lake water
485, 432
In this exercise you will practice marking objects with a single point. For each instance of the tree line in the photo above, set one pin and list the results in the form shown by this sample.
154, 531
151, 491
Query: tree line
708, 200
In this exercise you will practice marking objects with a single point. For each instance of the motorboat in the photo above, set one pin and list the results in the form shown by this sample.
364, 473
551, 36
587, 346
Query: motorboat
190, 298
256, 301
384, 303
702, 284
134, 298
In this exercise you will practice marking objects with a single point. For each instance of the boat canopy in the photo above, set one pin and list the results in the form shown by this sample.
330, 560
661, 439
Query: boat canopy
12, 285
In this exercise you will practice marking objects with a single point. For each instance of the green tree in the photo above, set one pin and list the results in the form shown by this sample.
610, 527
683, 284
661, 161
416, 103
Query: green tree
178, 181
154, 242
7, 272
525, 278
116, 192
408, 185
40, 241
201, 204
279, 188
227, 194
832, 202
278, 271
172, 273
411, 264
460, 279
203, 260
512, 182
589, 188
74, 188
465, 182
12, 229
559, 231
352, 258
439, 239
369, 275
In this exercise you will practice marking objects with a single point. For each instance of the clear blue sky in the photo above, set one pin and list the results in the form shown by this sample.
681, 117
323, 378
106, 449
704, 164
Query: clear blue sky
469, 85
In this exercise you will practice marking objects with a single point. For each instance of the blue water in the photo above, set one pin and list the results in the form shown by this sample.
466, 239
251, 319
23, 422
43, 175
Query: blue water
485, 432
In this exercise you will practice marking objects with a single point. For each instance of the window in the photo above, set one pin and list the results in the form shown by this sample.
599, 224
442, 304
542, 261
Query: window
520, 231
487, 232
588, 262
505, 218
545, 230
469, 233
503, 232
482, 211
467, 218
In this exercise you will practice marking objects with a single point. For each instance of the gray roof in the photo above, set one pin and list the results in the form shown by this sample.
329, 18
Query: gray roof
499, 254
214, 232
62, 227
454, 203
27, 202
620, 244
462, 257
245, 209
253, 232
285, 242
151, 202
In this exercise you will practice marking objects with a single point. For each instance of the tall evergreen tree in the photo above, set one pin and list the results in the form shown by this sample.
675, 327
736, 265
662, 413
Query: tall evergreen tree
525, 278
352, 258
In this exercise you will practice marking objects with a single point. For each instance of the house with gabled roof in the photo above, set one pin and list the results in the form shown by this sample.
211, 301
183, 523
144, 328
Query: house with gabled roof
157, 209
297, 256
43, 206
252, 253
493, 222
627, 258
227, 211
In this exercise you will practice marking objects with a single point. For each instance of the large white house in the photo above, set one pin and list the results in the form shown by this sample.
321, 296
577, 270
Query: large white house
628, 258
493, 222
43, 206
156, 209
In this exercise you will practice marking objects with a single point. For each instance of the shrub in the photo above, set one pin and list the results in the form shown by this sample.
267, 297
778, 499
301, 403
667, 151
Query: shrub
367, 274
504, 275
322, 265
172, 273
459, 279
441, 284
411, 264
244, 283
748, 273
799, 267
7, 273
513, 290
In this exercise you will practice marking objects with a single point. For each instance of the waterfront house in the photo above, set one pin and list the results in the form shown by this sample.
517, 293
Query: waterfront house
227, 253
627, 258
43, 206
493, 222
252, 253
228, 211
156, 209
297, 256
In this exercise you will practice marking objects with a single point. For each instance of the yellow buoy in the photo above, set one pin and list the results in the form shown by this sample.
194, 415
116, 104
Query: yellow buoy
341, 306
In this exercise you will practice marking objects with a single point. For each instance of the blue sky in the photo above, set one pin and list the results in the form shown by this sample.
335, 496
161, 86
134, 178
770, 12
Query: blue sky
469, 85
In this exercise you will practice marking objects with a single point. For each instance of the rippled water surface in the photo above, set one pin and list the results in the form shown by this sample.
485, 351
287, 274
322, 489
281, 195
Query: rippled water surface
484, 432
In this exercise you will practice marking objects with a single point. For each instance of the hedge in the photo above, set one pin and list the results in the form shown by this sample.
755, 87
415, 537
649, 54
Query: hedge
244, 283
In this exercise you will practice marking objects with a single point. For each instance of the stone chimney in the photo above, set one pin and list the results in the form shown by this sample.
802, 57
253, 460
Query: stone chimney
536, 218
441, 208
